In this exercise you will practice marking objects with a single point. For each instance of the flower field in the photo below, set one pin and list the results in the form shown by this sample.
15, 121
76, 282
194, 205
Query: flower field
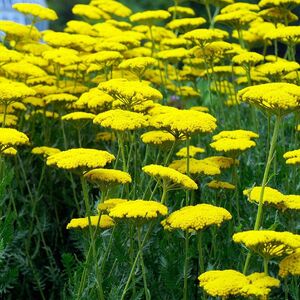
151, 154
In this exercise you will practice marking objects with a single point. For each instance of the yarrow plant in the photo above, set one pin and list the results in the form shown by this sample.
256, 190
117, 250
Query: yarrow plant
151, 152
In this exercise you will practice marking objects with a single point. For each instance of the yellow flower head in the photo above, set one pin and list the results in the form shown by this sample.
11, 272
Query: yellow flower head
12, 137
173, 178
10, 56
36, 11
45, 151
186, 23
196, 218
106, 178
121, 120
105, 136
203, 36
138, 210
9, 120
193, 151
292, 157
279, 98
150, 16
80, 158
78, 115
235, 134
268, 243
62, 56
214, 184
157, 137
286, 34
59, 98
102, 221
196, 167
228, 283
89, 11
107, 58
138, 65
94, 99
109, 204
173, 55
184, 122
112, 7
232, 145
283, 3
290, 265
181, 11
271, 196
280, 68
130, 93
248, 58
221, 162
11, 91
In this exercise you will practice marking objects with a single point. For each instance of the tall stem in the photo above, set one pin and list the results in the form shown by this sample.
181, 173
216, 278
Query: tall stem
186, 266
258, 220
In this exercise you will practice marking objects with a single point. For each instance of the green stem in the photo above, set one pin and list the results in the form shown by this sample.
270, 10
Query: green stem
187, 193
266, 263
135, 261
121, 145
200, 251
258, 220
146, 290
185, 268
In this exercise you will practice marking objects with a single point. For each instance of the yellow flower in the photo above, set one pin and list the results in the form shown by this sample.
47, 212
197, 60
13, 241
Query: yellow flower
11, 91
181, 11
196, 167
94, 99
9, 151
89, 11
16, 31
184, 122
121, 120
235, 134
104, 45
228, 283
61, 56
238, 6
108, 58
221, 162
271, 196
9, 56
200, 108
138, 65
107, 178
235, 145
10, 120
102, 221
290, 265
105, 136
268, 243
171, 177
280, 68
279, 98
78, 115
224, 283
278, 15
196, 218
286, 34
12, 137
36, 10
203, 36
290, 202
193, 151
59, 98
150, 16
138, 209
130, 93
174, 42
292, 157
109, 204
283, 3
214, 184
80, 158
157, 137
173, 55
248, 58
186, 23
112, 7
45, 151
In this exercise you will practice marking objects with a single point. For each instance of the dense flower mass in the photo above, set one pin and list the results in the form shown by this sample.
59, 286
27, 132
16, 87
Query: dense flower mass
268, 243
102, 221
170, 175
12, 137
195, 218
228, 283
80, 158
138, 209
